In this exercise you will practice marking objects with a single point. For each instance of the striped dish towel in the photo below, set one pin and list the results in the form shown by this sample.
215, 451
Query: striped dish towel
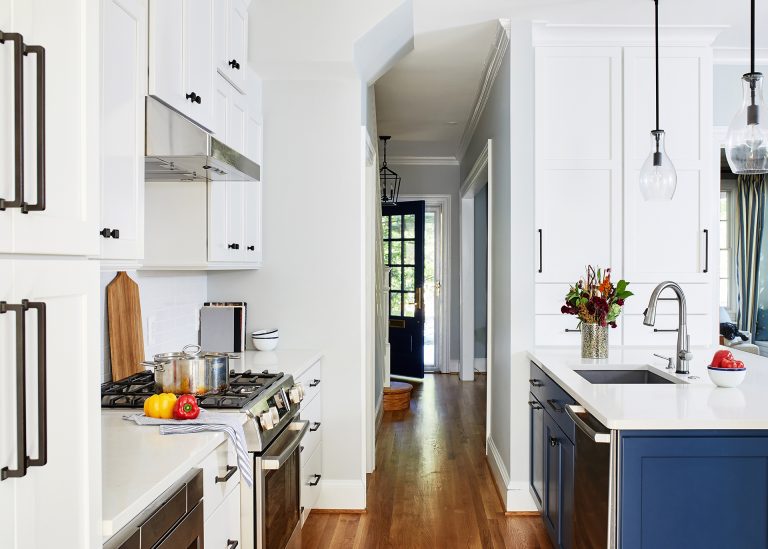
207, 421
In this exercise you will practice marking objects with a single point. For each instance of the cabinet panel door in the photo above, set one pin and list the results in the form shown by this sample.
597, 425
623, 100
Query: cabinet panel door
64, 494
252, 220
237, 43
536, 443
166, 52
221, 92
198, 60
568, 242
8, 442
237, 112
668, 240
123, 87
552, 468
69, 32
7, 148
225, 221
223, 527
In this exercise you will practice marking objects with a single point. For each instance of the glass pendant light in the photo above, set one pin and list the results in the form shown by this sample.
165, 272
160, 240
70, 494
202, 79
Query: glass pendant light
658, 179
746, 145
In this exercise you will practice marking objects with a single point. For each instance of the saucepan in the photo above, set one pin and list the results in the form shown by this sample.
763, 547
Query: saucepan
191, 371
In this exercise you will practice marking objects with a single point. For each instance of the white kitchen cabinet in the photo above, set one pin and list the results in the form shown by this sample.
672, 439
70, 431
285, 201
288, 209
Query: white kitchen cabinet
230, 34
668, 240
578, 162
180, 57
123, 87
69, 32
252, 222
231, 110
221, 498
222, 529
225, 220
37, 510
312, 454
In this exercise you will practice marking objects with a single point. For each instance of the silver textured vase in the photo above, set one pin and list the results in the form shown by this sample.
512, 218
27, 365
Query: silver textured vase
594, 341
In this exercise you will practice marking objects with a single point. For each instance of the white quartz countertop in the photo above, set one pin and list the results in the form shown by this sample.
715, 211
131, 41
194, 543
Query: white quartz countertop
695, 404
139, 464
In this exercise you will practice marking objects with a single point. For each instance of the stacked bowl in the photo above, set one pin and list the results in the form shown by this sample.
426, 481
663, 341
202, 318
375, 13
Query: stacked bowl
265, 340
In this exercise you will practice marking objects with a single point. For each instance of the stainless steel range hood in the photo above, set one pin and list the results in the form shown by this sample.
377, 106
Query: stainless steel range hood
179, 150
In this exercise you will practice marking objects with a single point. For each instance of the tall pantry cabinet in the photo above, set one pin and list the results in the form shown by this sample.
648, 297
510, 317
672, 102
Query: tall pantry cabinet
595, 102
50, 477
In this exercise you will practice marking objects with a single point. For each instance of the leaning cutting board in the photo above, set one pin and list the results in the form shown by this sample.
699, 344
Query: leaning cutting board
126, 338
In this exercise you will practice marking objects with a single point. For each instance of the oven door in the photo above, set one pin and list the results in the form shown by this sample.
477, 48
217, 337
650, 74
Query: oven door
278, 489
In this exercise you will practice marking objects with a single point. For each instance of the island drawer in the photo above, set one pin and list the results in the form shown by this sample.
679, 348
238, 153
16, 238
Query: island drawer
553, 398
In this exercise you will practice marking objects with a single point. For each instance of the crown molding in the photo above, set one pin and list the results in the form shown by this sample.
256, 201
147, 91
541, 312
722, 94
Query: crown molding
550, 34
492, 67
423, 160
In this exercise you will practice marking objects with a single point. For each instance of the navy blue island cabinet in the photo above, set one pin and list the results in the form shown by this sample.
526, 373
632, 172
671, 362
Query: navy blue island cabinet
676, 488
703, 489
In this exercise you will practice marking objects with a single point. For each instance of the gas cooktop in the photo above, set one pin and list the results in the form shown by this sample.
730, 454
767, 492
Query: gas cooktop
243, 389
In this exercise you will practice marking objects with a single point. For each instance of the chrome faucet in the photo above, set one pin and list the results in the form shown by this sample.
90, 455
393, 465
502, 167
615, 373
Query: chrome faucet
684, 354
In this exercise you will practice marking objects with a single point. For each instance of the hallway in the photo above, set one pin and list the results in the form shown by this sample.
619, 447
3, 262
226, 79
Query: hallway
432, 487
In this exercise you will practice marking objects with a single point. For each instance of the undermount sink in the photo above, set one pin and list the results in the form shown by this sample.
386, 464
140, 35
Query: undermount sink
624, 377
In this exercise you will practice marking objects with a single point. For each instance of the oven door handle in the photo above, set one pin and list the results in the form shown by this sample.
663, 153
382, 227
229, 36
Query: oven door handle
296, 431
574, 411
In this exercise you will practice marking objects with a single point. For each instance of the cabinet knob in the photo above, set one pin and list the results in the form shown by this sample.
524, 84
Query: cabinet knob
109, 233
251, 248
553, 441
233, 246
194, 98
234, 64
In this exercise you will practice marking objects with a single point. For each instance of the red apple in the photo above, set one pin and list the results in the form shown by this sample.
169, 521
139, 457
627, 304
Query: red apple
721, 355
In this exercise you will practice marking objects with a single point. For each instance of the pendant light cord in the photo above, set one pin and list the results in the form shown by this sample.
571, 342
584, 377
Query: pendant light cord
656, 2
753, 36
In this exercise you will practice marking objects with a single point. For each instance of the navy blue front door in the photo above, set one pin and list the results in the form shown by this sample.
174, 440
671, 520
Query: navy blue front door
403, 244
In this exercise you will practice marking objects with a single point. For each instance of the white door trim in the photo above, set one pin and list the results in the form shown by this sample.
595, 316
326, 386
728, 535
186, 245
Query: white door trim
443, 309
370, 224
480, 173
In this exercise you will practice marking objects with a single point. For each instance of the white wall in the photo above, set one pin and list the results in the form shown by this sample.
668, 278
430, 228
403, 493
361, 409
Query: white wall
437, 179
311, 286
170, 310
512, 258
481, 272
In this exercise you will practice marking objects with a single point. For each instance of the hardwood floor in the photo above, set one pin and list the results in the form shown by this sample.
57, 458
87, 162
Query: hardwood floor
432, 487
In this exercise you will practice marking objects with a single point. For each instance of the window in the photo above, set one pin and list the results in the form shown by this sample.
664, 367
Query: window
728, 247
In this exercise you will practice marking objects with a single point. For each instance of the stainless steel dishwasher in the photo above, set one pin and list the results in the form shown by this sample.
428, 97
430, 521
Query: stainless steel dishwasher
595, 484
172, 521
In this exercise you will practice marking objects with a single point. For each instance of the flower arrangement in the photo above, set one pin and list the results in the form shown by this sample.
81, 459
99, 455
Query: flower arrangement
596, 300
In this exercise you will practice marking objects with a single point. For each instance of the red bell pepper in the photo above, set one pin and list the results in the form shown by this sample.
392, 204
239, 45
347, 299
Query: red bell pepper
186, 407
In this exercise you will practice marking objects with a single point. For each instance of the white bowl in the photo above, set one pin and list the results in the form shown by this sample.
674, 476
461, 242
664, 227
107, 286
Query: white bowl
261, 344
264, 334
726, 377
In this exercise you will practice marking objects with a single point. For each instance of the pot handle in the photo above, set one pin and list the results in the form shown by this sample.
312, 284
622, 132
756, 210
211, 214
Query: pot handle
233, 356
156, 366
196, 348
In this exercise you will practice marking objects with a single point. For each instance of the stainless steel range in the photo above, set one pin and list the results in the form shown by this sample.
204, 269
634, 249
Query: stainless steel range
271, 515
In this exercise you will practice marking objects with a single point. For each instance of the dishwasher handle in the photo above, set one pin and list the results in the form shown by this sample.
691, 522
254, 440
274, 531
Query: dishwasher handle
574, 411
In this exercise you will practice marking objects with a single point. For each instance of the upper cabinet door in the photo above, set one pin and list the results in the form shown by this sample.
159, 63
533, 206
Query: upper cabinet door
166, 52
198, 61
123, 85
253, 216
225, 221
67, 145
7, 145
578, 161
230, 21
668, 240
237, 114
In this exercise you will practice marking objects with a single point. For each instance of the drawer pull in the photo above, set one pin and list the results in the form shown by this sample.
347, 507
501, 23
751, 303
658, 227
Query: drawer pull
570, 331
315, 426
316, 481
314, 383
659, 330
231, 543
535, 405
231, 469
535, 383
556, 406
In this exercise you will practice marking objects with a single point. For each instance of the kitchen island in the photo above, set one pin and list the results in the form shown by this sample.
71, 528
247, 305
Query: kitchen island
676, 463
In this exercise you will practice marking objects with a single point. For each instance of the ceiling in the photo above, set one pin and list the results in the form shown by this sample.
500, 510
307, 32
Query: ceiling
426, 99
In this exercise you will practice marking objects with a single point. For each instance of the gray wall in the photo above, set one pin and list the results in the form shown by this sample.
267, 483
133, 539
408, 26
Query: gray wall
481, 272
425, 180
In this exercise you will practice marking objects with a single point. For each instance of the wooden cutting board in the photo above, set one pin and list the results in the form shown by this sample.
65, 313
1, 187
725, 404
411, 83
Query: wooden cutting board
126, 338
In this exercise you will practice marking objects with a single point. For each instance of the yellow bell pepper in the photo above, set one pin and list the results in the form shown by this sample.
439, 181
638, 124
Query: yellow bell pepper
160, 406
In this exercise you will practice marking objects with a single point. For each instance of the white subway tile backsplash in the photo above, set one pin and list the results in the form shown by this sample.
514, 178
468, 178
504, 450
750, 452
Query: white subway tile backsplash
170, 306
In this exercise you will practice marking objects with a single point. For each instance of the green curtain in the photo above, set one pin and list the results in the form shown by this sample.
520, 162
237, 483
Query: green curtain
750, 209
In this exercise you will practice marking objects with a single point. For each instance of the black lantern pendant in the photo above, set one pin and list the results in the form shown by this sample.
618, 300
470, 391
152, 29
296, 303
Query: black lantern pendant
389, 181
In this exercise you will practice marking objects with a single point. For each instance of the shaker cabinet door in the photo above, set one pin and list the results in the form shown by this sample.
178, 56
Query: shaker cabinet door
166, 52
8, 433
123, 87
198, 61
252, 220
536, 449
225, 221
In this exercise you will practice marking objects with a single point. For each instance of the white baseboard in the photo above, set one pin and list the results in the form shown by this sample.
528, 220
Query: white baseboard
341, 494
481, 364
453, 366
515, 495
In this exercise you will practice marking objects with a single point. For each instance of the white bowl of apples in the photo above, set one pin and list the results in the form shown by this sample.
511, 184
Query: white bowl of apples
726, 371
